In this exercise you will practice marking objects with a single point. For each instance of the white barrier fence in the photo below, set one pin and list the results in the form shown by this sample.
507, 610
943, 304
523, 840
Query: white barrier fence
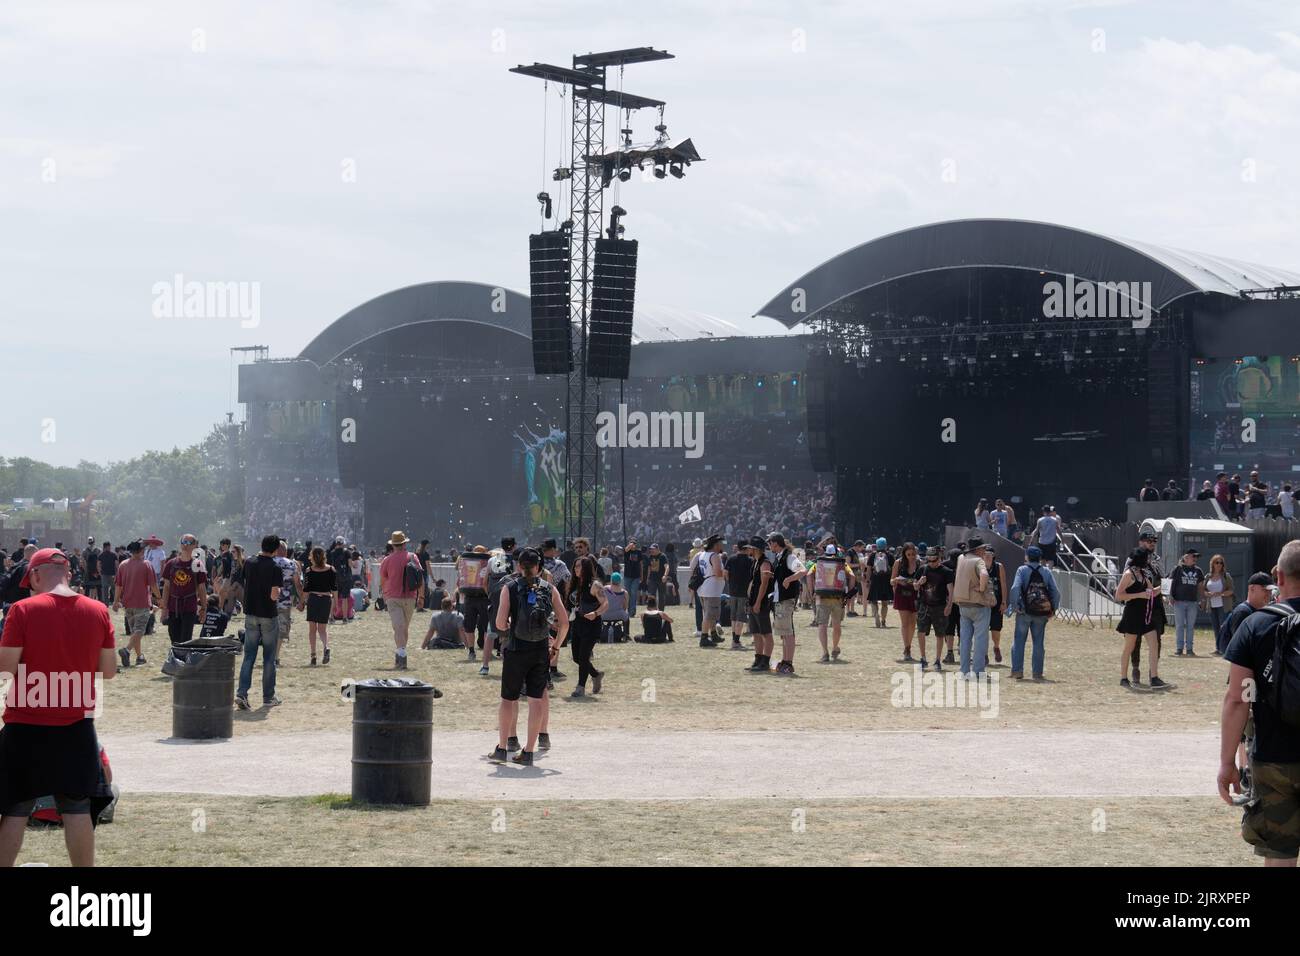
1082, 600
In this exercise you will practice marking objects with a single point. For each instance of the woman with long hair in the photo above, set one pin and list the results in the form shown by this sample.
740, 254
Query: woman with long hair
1144, 614
321, 588
983, 517
235, 591
1217, 595
902, 578
587, 596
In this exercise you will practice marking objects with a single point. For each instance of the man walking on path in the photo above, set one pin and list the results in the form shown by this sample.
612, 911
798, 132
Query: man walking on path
401, 587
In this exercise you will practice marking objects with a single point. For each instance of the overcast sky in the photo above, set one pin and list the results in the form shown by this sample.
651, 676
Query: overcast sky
218, 141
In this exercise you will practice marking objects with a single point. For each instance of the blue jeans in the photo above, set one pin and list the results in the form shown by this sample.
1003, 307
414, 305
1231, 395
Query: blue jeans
1027, 624
1184, 623
973, 623
633, 586
263, 632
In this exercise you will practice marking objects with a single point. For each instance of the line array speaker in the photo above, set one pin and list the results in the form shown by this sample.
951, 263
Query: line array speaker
549, 269
609, 335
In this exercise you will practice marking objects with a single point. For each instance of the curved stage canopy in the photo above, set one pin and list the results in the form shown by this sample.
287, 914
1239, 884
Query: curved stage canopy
1017, 244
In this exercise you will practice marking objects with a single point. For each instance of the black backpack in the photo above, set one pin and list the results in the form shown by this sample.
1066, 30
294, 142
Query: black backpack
1282, 674
412, 576
531, 610
1037, 599
9, 587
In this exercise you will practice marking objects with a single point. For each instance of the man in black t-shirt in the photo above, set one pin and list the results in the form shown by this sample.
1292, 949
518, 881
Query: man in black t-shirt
90, 557
740, 570
1148, 492
657, 569
1256, 496
633, 564
1271, 819
933, 605
107, 572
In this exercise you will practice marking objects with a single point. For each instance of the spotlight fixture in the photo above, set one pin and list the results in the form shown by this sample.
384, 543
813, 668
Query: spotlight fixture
676, 170
624, 174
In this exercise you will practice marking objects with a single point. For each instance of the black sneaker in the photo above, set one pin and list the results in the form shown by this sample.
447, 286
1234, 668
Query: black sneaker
399, 662
557, 674
498, 755
543, 741
997, 655
907, 658
313, 662
243, 704
140, 660
1158, 684
949, 659
1124, 682
126, 657
326, 658
924, 663
524, 758
597, 678
1137, 676
706, 643
512, 744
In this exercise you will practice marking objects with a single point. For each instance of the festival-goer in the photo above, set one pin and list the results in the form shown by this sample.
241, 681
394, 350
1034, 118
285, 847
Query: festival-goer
614, 620
902, 580
1217, 596
1271, 819
184, 591
972, 592
760, 597
320, 587
1147, 541
501, 568
137, 591
712, 575
1047, 532
740, 568
528, 610
400, 589
788, 574
1185, 593
656, 625
879, 594
633, 561
1034, 598
587, 598
1144, 616
1258, 595
446, 628
263, 580
998, 582
934, 583
832, 579
290, 588
48, 743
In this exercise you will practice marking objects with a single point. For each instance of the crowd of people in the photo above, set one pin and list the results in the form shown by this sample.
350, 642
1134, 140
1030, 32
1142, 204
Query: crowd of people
315, 509
520, 605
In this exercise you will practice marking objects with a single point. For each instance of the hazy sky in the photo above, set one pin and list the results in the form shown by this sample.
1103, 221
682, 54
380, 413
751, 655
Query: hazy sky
128, 156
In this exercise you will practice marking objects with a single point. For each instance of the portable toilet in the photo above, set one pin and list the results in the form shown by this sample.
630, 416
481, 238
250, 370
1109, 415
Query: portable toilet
1209, 537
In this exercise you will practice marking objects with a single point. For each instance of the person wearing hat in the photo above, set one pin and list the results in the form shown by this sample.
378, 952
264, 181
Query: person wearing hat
155, 553
1034, 598
399, 597
880, 594
832, 578
1185, 593
1147, 541
759, 596
1143, 618
974, 597
713, 581
657, 569
788, 573
1259, 594
137, 591
48, 743
934, 605
90, 576
184, 591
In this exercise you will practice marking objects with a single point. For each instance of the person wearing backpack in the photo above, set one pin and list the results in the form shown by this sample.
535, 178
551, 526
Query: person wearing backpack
401, 579
1034, 598
1264, 684
528, 609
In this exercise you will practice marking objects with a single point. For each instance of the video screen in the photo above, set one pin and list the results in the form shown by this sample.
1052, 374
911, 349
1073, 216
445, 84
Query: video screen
1245, 413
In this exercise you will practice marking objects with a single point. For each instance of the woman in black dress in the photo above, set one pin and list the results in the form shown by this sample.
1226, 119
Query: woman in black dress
320, 584
587, 596
1144, 613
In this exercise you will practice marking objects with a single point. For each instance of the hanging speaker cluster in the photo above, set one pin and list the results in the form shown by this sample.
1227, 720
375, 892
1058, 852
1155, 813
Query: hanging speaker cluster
609, 339
548, 287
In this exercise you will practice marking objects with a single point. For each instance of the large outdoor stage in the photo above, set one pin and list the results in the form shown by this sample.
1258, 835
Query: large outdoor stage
882, 393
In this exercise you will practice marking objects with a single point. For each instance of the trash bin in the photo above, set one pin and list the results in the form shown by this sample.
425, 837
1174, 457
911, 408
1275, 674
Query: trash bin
392, 741
203, 687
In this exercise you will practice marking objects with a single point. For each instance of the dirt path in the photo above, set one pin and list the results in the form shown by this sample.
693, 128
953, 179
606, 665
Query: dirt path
679, 766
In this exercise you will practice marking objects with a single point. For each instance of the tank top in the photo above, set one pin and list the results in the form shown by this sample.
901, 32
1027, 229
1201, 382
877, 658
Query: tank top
617, 610
713, 583
587, 602
755, 583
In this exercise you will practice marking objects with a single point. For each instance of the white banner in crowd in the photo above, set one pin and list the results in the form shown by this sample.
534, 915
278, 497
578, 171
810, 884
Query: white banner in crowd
690, 515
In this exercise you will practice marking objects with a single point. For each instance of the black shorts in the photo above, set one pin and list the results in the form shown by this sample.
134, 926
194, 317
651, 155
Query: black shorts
37, 761
931, 617
995, 620
760, 621
1049, 550
525, 669
477, 612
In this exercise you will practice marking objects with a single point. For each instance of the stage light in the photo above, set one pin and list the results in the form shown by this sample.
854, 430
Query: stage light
624, 174
659, 172
676, 170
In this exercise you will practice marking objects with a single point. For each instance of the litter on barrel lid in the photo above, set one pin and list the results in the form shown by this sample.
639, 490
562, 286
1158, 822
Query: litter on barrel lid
187, 657
394, 683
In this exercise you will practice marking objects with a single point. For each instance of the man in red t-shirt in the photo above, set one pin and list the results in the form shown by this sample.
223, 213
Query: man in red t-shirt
56, 644
137, 591
185, 590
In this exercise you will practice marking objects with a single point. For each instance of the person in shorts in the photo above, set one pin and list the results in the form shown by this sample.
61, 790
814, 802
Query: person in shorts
137, 591
185, 591
830, 607
48, 744
934, 605
532, 648
290, 588
760, 607
788, 572
398, 598
1270, 819
476, 606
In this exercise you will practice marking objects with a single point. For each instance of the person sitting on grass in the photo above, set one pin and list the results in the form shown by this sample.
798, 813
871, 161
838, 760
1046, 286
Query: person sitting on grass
614, 621
444, 629
656, 625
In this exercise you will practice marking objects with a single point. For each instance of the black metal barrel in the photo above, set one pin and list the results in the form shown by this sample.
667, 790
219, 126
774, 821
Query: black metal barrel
392, 741
203, 691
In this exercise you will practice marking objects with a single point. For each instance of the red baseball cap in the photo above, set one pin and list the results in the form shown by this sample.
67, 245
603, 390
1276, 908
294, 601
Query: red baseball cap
43, 556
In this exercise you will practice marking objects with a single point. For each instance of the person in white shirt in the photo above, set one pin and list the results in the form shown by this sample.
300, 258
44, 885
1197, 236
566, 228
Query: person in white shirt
1286, 501
711, 589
